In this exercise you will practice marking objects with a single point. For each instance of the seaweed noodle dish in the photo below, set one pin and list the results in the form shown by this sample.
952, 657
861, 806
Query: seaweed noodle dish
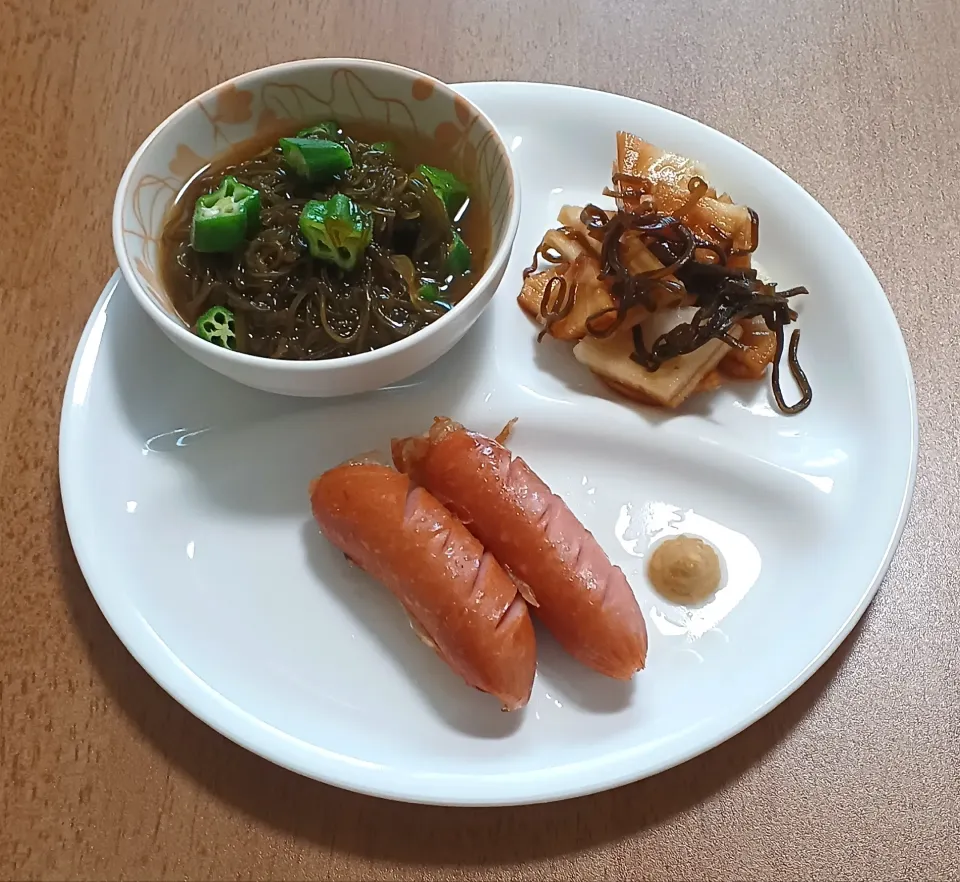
334, 241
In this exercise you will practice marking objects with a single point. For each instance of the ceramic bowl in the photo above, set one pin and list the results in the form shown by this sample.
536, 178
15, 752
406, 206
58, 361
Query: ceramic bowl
251, 106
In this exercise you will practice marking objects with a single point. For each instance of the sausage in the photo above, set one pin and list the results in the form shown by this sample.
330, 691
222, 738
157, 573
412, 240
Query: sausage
583, 599
457, 596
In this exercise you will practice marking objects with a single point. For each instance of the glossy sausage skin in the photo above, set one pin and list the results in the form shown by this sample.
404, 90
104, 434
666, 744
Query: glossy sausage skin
451, 588
583, 599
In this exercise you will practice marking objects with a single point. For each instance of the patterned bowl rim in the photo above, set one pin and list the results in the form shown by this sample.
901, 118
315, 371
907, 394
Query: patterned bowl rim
174, 327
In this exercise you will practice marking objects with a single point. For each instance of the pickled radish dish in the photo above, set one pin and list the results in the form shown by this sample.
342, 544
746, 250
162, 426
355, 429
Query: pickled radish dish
660, 296
329, 242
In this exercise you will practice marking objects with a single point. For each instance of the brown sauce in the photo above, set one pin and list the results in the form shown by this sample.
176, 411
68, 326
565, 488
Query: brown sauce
684, 570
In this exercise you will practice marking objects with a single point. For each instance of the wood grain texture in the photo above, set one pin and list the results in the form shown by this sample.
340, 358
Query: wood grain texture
102, 776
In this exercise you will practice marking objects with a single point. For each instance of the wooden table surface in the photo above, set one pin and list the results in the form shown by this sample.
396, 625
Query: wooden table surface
103, 776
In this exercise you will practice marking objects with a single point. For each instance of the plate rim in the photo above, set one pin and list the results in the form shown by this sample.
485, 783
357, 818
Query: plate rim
233, 722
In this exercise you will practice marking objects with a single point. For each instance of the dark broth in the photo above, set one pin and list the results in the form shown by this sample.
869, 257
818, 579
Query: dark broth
289, 305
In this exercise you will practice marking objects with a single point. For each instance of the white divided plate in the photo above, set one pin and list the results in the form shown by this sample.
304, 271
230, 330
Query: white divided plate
186, 499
